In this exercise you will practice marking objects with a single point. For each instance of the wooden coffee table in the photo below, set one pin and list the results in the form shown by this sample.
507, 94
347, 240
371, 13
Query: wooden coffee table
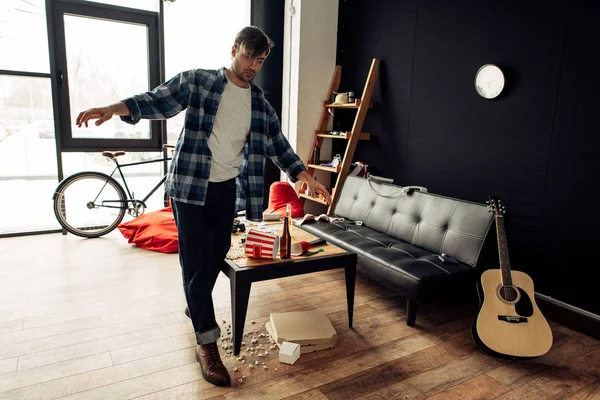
243, 272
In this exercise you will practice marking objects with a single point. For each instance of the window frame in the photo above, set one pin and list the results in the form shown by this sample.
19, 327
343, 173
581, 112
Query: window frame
56, 9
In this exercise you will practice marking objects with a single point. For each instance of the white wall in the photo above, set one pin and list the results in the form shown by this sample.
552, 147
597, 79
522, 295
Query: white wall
310, 39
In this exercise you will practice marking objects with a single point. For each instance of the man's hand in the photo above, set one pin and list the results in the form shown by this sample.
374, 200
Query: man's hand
314, 186
103, 114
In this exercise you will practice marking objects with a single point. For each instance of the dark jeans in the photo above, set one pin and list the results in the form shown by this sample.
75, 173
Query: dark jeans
204, 240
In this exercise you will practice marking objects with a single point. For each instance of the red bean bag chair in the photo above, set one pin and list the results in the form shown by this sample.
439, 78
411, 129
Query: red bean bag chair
153, 231
280, 194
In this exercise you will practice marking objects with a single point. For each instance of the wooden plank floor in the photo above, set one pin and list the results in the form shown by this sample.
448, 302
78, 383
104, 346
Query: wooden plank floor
101, 319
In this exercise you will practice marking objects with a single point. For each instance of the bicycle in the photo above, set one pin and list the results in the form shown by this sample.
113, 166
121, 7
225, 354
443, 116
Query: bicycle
96, 202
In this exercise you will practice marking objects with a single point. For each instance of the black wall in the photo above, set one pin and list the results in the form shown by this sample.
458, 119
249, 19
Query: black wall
268, 16
537, 146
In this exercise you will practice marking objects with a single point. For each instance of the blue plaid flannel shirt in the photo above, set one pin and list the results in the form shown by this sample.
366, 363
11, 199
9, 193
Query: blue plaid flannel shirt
198, 92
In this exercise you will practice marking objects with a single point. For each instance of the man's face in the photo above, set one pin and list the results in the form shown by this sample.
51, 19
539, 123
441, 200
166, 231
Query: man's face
244, 66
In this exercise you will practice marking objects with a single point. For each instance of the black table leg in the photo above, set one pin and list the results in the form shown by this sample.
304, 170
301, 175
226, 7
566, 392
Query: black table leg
350, 271
240, 294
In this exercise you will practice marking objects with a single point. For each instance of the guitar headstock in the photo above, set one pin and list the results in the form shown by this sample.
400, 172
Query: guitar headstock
495, 205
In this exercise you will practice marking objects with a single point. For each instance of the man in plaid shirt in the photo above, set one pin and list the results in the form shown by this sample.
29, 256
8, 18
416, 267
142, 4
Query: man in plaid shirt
217, 169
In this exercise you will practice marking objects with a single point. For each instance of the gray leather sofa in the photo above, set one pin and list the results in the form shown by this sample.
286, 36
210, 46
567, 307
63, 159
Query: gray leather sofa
402, 234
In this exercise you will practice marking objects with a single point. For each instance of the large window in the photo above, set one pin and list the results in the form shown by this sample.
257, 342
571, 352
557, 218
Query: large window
28, 168
103, 54
104, 73
27, 154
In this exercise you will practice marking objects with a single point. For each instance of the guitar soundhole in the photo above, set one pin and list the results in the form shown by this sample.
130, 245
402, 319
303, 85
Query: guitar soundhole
509, 294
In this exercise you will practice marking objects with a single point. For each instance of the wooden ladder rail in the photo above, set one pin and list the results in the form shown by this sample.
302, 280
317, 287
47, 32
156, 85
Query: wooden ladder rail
364, 103
356, 130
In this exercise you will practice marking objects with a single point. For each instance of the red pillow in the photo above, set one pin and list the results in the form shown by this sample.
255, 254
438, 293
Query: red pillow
153, 231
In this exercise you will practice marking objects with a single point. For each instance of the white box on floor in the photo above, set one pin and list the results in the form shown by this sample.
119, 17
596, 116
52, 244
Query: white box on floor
311, 329
289, 352
304, 348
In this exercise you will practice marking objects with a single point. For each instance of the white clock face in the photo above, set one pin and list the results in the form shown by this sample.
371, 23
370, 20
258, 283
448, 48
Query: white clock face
489, 81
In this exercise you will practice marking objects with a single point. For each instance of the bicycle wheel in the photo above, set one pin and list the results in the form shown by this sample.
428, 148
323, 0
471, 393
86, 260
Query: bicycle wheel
89, 204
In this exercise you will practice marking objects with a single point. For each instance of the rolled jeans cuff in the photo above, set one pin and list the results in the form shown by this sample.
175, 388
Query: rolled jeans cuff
209, 336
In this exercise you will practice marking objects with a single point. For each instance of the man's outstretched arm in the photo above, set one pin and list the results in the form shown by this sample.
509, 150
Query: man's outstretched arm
162, 102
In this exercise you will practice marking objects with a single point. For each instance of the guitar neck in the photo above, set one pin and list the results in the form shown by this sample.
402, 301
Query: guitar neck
503, 251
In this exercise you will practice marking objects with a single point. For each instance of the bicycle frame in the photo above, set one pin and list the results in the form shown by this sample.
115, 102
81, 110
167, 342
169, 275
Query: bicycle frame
118, 167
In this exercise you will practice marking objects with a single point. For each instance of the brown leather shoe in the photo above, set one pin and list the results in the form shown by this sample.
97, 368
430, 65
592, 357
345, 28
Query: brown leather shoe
211, 365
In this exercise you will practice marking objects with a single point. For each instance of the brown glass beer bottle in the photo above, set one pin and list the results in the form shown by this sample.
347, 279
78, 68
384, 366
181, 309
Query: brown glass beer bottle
285, 242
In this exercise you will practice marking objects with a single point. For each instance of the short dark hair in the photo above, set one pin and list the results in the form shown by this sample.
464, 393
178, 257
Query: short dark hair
254, 40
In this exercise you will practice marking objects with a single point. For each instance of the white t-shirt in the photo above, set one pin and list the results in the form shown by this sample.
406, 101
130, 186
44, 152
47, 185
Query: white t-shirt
229, 133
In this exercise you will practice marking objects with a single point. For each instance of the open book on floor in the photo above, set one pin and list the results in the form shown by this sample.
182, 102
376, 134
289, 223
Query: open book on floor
322, 217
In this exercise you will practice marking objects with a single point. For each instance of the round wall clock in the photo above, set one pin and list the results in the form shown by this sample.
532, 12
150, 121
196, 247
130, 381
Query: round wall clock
489, 81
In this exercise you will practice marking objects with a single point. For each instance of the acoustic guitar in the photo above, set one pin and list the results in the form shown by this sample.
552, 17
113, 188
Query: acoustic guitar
509, 323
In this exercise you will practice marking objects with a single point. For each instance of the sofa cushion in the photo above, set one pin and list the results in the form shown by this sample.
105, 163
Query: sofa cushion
416, 270
434, 223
